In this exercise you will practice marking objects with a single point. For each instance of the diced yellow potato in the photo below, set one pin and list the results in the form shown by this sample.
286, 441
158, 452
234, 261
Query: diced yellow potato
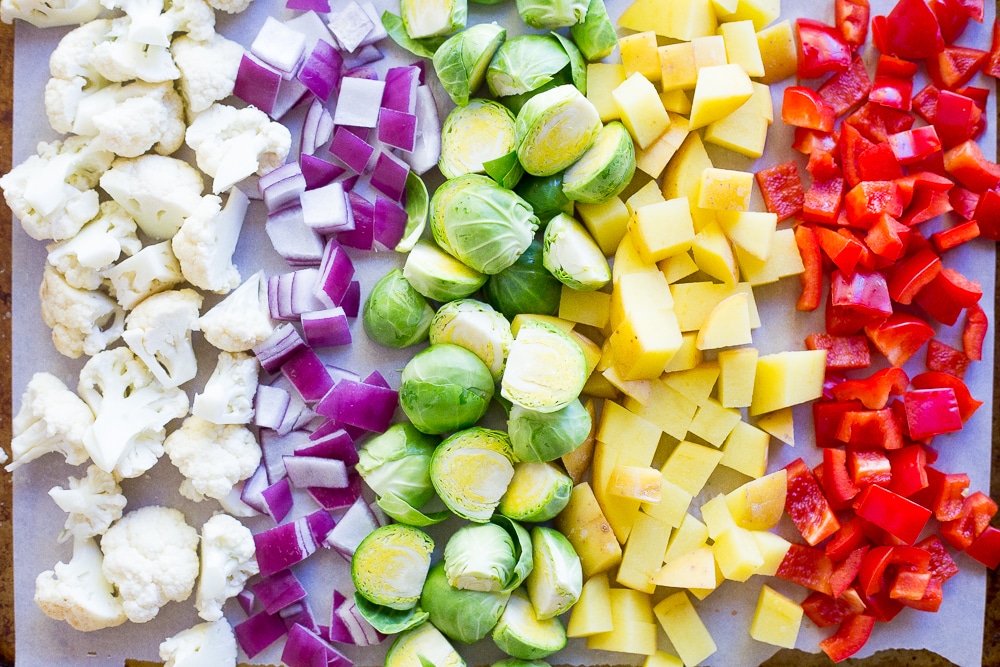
647, 194
720, 90
787, 378
753, 231
631, 606
599, 387
779, 423
686, 631
709, 51
636, 638
591, 350
644, 342
678, 69
692, 19
584, 307
761, 12
673, 504
690, 465
682, 176
688, 356
762, 93
777, 619
713, 253
690, 535
602, 78
745, 450
640, 390
737, 554
587, 529
638, 53
641, 111
647, 15
592, 612
737, 370
744, 131
662, 229
637, 292
724, 8
577, 462
759, 504
661, 659
694, 301
636, 482
626, 430
670, 410
654, 159
643, 554
677, 267
783, 260
607, 222
627, 260
676, 101
725, 189
777, 52
607, 358
713, 423
715, 514
695, 569
558, 322
741, 46
727, 325
697, 383
702, 593
773, 548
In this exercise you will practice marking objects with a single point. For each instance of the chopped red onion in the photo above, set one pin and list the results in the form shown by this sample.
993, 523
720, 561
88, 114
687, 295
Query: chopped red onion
325, 209
350, 25
362, 236
363, 405
321, 6
397, 128
307, 374
317, 128
390, 222
363, 633
290, 93
313, 471
233, 504
320, 524
366, 72
278, 348
270, 406
359, 101
338, 374
305, 648
319, 172
253, 489
303, 291
356, 524
356, 64
350, 182
421, 66
336, 444
298, 243
299, 613
326, 328
401, 88
258, 632
389, 175
278, 499
283, 546
279, 46
247, 601
427, 149
351, 149
378, 32
274, 447
337, 630
321, 71
257, 83
279, 296
313, 26
282, 186
335, 273
381, 518
351, 303
338, 499
278, 591
376, 379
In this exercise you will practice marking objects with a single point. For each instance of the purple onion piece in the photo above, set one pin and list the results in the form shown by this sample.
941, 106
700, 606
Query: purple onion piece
365, 72
320, 72
253, 489
362, 59
336, 499
278, 499
397, 128
299, 613
318, 6
279, 45
336, 271
307, 374
338, 374
350, 181
376, 379
390, 222
257, 83
336, 444
421, 66
320, 524
356, 524
325, 209
313, 471
350, 24
389, 176
258, 632
363, 633
291, 92
274, 446
401, 88
318, 172
362, 236
360, 98
270, 406
303, 291
295, 241
279, 347
351, 149
365, 406
247, 601
305, 648
326, 328
278, 591
351, 303
283, 546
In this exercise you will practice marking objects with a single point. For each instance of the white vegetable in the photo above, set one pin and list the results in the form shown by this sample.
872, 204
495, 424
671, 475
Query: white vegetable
78, 592
49, 13
93, 503
212, 457
51, 419
158, 331
206, 241
204, 645
228, 396
96, 247
241, 320
131, 119
227, 561
152, 270
82, 321
208, 69
74, 79
154, 22
121, 59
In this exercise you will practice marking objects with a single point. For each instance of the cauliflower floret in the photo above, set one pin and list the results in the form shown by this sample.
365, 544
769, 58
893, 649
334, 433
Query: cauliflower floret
50, 13
74, 79
242, 319
229, 6
229, 393
52, 193
230, 144
131, 409
78, 591
151, 555
158, 191
154, 22
206, 241
51, 419
159, 332
99, 244
227, 561
204, 645
121, 59
208, 69
82, 321
93, 503
129, 120
212, 457
152, 270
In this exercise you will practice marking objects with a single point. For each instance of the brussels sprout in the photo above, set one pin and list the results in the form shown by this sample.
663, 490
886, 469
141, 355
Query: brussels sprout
440, 201
570, 253
545, 370
403, 512
395, 314
387, 620
416, 212
506, 170
537, 492
545, 194
595, 36
516, 102
421, 646
471, 470
555, 581
604, 170
390, 564
439, 276
432, 18
397, 462
521, 634
545, 436
476, 327
577, 65
460, 63
485, 226
517, 662
554, 129
481, 131
462, 615
525, 64
547, 14
424, 48
524, 287
444, 388
480, 557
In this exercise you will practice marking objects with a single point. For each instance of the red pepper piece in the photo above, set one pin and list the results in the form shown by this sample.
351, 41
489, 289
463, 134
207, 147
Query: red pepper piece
910, 276
867, 261
852, 634
892, 92
842, 352
909, 470
808, 141
852, 145
899, 337
946, 239
888, 238
974, 333
821, 49
839, 486
835, 505
845, 572
986, 548
877, 122
944, 358
992, 65
924, 103
912, 183
802, 107
963, 202
931, 412
826, 611
914, 145
967, 405
899, 516
851, 536
822, 201
951, 17
851, 17
977, 511
967, 164
933, 596
806, 566
807, 506
846, 90
948, 294
898, 67
826, 420
864, 292
812, 278
866, 201
941, 564
823, 165
874, 391
926, 205
954, 66
909, 586
912, 31
978, 95
868, 466
842, 251
877, 163
975, 9
956, 118
781, 188
988, 215
949, 495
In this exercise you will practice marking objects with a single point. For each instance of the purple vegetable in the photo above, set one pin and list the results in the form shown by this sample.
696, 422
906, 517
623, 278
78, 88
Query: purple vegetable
360, 629
270, 405
253, 489
390, 222
376, 379
397, 128
366, 406
325, 209
278, 499
427, 151
320, 6
335, 444
306, 372
281, 187
337, 630
320, 72
279, 46
351, 149
359, 101
278, 591
313, 471
303, 291
320, 524
283, 546
336, 499
401, 89
305, 648
357, 64
298, 243
247, 601
356, 524
258, 632
351, 303
338, 374
317, 128
350, 24
278, 348
326, 328
389, 176
366, 72
363, 235
274, 446
319, 172
290, 93
335, 273
349, 182
257, 83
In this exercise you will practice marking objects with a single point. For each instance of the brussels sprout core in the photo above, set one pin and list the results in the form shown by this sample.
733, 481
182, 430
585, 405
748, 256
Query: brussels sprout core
554, 129
479, 557
471, 470
478, 132
429, 18
552, 13
572, 256
390, 564
546, 369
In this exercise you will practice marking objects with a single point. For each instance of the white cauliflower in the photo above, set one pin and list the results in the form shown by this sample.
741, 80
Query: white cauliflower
206, 241
151, 555
242, 319
96, 247
152, 270
52, 193
51, 419
227, 561
212, 457
119, 58
131, 411
82, 321
78, 591
231, 144
204, 645
230, 6
158, 331
49, 13
74, 79
158, 191
208, 69
154, 22
132, 119
93, 503
228, 395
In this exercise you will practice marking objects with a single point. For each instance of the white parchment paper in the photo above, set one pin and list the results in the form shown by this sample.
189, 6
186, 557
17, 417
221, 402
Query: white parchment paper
955, 632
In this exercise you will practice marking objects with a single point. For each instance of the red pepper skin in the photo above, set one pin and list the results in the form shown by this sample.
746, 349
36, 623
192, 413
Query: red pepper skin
823, 200
897, 67
852, 634
781, 188
826, 420
946, 239
992, 65
899, 337
914, 145
866, 201
909, 470
944, 358
802, 107
851, 18
975, 9
807, 506
852, 145
842, 352
926, 205
877, 163
888, 237
931, 412
910, 276
812, 278
851, 536
912, 31
843, 252
835, 505
821, 49
846, 90
967, 164
874, 391
951, 17
868, 467
845, 572
877, 122
948, 294
963, 202
912, 183
941, 564
954, 66
826, 611
865, 292
892, 92
808, 141
948, 494
977, 511
806, 566
839, 486
986, 548
988, 214
881, 606
967, 405
909, 586
823, 165
974, 333
924, 103
955, 118
899, 516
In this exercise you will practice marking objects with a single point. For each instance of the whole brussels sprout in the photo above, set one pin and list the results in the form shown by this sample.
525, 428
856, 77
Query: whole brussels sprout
395, 314
445, 388
463, 615
461, 61
525, 287
545, 436
550, 14
545, 194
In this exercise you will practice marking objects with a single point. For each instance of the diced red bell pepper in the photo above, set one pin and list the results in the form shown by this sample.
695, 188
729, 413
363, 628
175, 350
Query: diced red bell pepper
852, 634
891, 66
877, 163
899, 337
909, 470
826, 420
821, 49
974, 333
963, 202
977, 511
899, 516
864, 292
986, 548
826, 611
909, 585
781, 188
850, 537
912, 183
931, 412
926, 205
844, 252
912, 31
978, 95
975, 9
842, 352
914, 145
987, 214
948, 294
807, 506
956, 118
924, 103
946, 359
877, 122
954, 66
888, 237
941, 564
802, 107
847, 320
822, 201
947, 493
946, 239
967, 164
867, 261
851, 17
881, 606
811, 278
823, 165
868, 467
967, 405
808, 141
992, 66
866, 201
835, 505
874, 391
838, 483
892, 92
852, 145
846, 571
909, 276
846, 90
932, 598
806, 566
951, 17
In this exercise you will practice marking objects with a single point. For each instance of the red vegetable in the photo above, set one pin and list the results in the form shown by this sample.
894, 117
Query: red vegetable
807, 506
821, 49
781, 188
812, 278
946, 359
931, 412
847, 89
899, 516
807, 566
842, 352
849, 637
974, 333
802, 107
911, 31
852, 20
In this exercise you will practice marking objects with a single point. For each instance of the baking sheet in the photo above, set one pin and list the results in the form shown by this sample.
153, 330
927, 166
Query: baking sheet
727, 612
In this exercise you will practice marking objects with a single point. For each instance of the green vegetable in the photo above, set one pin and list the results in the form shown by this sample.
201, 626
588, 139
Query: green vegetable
403, 512
521, 634
396, 465
445, 388
424, 48
395, 314
517, 662
390, 564
545, 436
432, 18
570, 253
439, 276
546, 368
416, 212
548, 14
481, 131
525, 64
596, 35
556, 580
386, 619
462, 615
577, 65
461, 61
480, 557
604, 170
516, 102
506, 170
545, 194
422, 646
471, 470
524, 287
440, 201
537, 492
554, 129
476, 327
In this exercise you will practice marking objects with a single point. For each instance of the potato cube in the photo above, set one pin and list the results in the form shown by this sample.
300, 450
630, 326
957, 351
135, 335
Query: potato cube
753, 231
592, 612
673, 504
636, 482
696, 384
690, 465
676, 101
638, 292
661, 659
647, 194
687, 357
702, 593
662, 229
591, 350
695, 569
626, 430
737, 554
745, 450
714, 255
692, 19
759, 504
727, 325
585, 526
787, 378
639, 55
694, 301
682, 175
780, 424
690, 535
762, 93
638, 390
607, 222
602, 78
670, 410
744, 131
713, 423
761, 12
644, 342
558, 322
777, 619
686, 631
773, 548
584, 307
627, 260
678, 69
783, 260
599, 387
641, 111
724, 9
709, 51
715, 514
654, 159
777, 52
634, 628
742, 47
677, 267
737, 370
720, 90
643, 554
725, 189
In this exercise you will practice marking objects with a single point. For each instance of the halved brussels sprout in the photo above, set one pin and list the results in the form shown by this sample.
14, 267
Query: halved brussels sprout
554, 129
524, 287
439, 204
395, 314
595, 36
416, 212
397, 464
506, 170
390, 564
432, 18
387, 620
516, 102
480, 557
476, 327
471, 470
545, 194
478, 132
444, 388
403, 512
439, 276
396, 30
517, 662
546, 14
525, 64
545, 370
421, 646
556, 580
577, 65
537, 492
604, 170
545, 436
461, 62
462, 615
570, 253
521, 634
